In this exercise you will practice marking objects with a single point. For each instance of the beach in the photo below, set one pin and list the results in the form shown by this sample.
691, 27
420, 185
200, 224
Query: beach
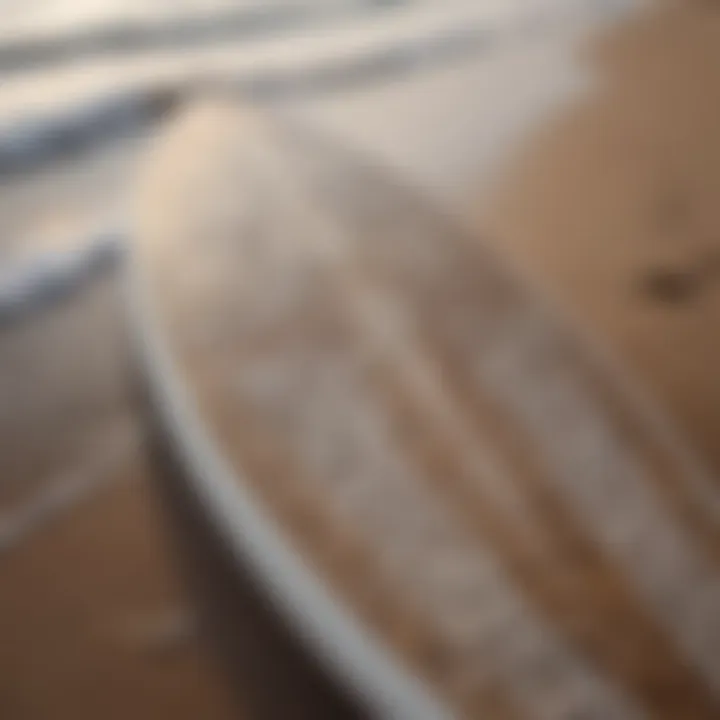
606, 201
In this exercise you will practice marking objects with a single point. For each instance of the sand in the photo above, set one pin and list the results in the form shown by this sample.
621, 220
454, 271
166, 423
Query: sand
613, 208
93, 620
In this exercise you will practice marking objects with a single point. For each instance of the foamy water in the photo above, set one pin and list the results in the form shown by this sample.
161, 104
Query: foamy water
81, 74
49, 16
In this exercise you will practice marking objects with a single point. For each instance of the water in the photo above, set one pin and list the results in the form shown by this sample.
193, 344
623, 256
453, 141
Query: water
80, 76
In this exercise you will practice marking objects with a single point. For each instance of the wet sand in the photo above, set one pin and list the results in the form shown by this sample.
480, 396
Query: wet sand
93, 621
92, 618
90, 614
613, 208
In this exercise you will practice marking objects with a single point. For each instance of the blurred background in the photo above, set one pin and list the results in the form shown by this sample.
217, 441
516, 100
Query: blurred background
92, 620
